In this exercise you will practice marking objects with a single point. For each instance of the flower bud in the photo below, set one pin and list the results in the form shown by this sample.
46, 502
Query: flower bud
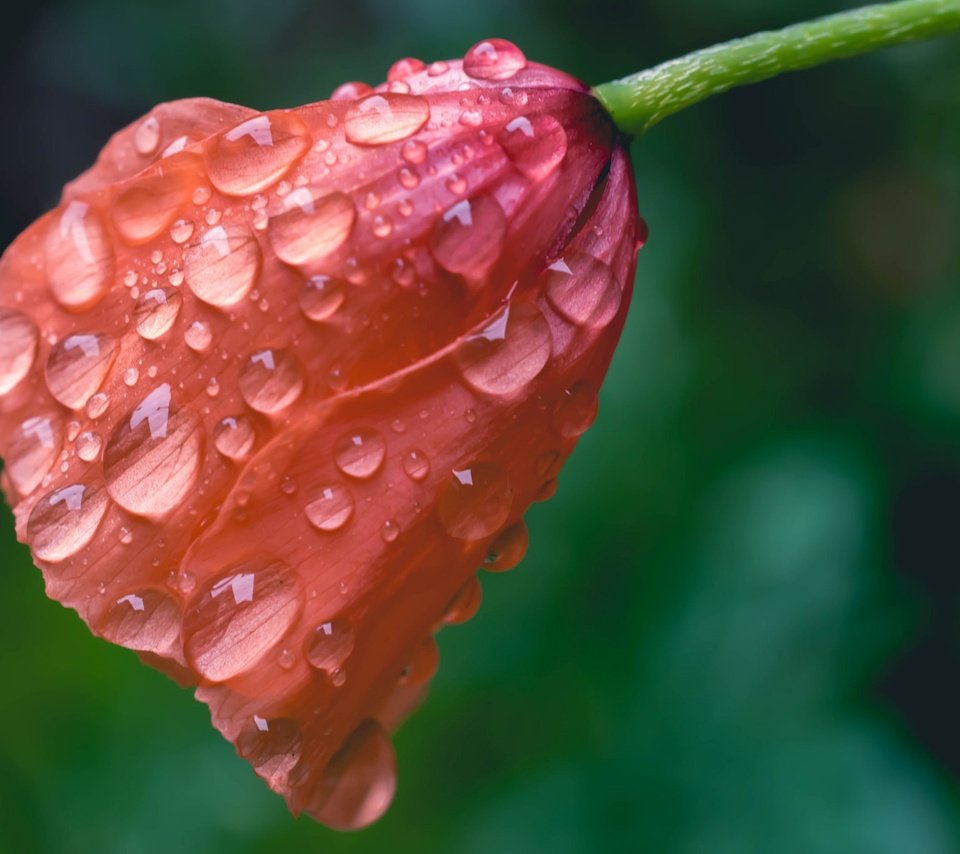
273, 386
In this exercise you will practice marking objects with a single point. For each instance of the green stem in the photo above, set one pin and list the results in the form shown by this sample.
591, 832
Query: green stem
641, 100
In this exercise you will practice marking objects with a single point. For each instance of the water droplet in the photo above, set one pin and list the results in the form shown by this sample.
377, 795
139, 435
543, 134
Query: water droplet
416, 464
273, 747
156, 311
390, 117
409, 179
311, 228
77, 367
536, 146
286, 659
201, 195
438, 68
583, 289
146, 136
79, 260
234, 437
350, 91
198, 336
360, 453
152, 457
131, 376
414, 151
507, 353
456, 184
236, 619
98, 404
382, 226
147, 205
88, 446
508, 548
475, 502
321, 297
494, 59
389, 531
64, 521
468, 238
146, 620
577, 409
181, 231
223, 266
256, 153
404, 68
359, 782
18, 348
424, 663
465, 603
331, 509
329, 645
271, 380
32, 450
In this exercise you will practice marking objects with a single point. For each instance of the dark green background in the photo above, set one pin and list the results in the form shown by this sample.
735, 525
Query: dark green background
736, 629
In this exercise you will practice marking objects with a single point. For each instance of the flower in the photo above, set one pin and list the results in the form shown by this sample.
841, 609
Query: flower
273, 386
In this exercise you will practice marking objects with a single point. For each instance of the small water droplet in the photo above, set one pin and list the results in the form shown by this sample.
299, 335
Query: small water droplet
321, 297
311, 228
238, 617
286, 659
201, 195
384, 118
18, 348
331, 509
131, 376
494, 59
31, 451
64, 521
88, 446
79, 259
146, 136
416, 464
414, 151
583, 289
468, 238
98, 404
223, 266
198, 336
465, 603
507, 549
147, 620
181, 231
475, 501
271, 380
389, 531
256, 153
404, 68
438, 68
329, 645
156, 311
350, 91
77, 367
360, 453
234, 437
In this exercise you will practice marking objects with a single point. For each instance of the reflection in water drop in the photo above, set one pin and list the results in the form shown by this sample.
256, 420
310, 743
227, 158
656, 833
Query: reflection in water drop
146, 620
468, 238
583, 289
494, 59
77, 367
64, 521
360, 454
234, 437
384, 118
475, 502
329, 645
271, 380
331, 509
321, 297
156, 311
536, 146
311, 228
223, 266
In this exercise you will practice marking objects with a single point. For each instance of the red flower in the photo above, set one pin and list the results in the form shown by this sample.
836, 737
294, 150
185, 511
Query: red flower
273, 386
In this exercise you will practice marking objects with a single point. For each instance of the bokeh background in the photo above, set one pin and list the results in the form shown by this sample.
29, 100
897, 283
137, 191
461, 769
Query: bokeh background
736, 629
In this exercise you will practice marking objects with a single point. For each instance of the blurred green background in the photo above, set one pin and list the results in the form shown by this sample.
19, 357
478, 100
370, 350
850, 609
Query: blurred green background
736, 629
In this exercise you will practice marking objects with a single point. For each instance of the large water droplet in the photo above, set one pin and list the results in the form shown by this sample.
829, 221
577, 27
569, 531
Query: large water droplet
18, 348
78, 365
145, 620
508, 549
475, 501
256, 153
151, 460
536, 146
156, 311
65, 520
234, 437
271, 380
331, 509
465, 603
468, 238
360, 453
223, 266
508, 352
146, 136
239, 617
359, 781
583, 289
390, 117
321, 297
79, 259
309, 228
31, 451
577, 409
273, 747
148, 204
494, 59
329, 645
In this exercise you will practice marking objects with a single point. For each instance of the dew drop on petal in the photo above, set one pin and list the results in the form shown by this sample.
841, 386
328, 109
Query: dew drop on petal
237, 618
256, 153
198, 336
63, 521
156, 311
147, 205
181, 231
88, 446
404, 68
151, 460
475, 501
360, 453
223, 266
329, 645
359, 782
146, 136
271, 380
350, 91
416, 464
583, 289
384, 118
273, 747
320, 297
507, 353
389, 531
309, 228
508, 549
77, 366
494, 59
18, 348
468, 238
234, 437
423, 666
79, 259
331, 509
414, 151
535, 146
465, 603
31, 451
146, 620
577, 409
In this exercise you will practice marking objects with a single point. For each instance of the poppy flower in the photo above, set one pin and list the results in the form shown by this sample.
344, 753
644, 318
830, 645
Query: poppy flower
274, 385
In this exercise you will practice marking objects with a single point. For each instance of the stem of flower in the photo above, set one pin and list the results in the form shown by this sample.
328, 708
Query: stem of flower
641, 100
